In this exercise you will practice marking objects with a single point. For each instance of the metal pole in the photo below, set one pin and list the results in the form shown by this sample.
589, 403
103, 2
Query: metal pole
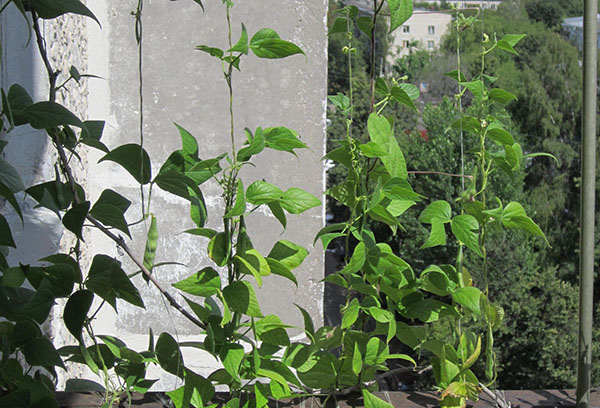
588, 172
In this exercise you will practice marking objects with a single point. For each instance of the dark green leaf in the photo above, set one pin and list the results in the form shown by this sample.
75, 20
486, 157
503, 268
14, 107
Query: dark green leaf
76, 310
74, 218
169, 356
476, 87
110, 210
241, 298
6, 238
365, 24
41, 352
340, 25
46, 115
278, 212
280, 269
219, 249
10, 177
402, 97
109, 281
38, 307
133, 158
18, 98
215, 52
49, 9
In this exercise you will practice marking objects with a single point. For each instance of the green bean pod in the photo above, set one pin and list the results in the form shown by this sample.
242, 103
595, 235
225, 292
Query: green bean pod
151, 244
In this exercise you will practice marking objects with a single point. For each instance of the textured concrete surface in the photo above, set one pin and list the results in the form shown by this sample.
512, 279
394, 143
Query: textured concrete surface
186, 86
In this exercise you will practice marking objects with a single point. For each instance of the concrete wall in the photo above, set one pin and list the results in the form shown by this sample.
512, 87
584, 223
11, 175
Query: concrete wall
186, 86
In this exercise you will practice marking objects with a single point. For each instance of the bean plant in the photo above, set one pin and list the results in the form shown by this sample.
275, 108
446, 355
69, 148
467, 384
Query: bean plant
386, 299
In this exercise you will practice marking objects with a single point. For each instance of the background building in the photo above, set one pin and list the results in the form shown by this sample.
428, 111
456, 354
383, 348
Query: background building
423, 30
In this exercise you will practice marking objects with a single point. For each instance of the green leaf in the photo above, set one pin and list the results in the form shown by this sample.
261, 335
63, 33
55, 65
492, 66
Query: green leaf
6, 238
49, 9
256, 144
38, 307
151, 245
169, 355
232, 356
92, 137
501, 96
509, 41
369, 149
456, 75
371, 401
202, 232
350, 314
466, 229
177, 183
267, 44
219, 249
380, 132
76, 310
261, 192
365, 24
215, 52
239, 207
357, 260
10, 177
499, 135
340, 25
400, 11
439, 210
189, 144
411, 90
309, 327
469, 297
109, 281
47, 115
205, 282
242, 44
296, 201
18, 98
514, 216
476, 87
278, 212
110, 210
357, 363
283, 139
278, 268
252, 262
74, 218
41, 352
241, 298
402, 97
468, 124
134, 159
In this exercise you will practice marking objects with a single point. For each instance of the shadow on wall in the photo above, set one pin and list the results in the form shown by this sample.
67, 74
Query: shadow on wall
28, 149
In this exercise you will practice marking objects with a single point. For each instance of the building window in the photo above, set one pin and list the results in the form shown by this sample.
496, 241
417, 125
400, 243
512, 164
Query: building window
430, 44
406, 29
493, 6
405, 44
431, 30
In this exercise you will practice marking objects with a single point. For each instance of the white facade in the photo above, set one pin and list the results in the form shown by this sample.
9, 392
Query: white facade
485, 4
423, 30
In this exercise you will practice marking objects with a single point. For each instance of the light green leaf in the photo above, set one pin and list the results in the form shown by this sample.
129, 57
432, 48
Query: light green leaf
205, 282
501, 96
437, 236
476, 87
514, 216
289, 254
466, 229
357, 362
400, 96
350, 314
357, 260
261, 192
266, 43
400, 11
371, 401
242, 44
509, 41
278, 268
189, 144
380, 132
296, 201
439, 210
469, 298
232, 356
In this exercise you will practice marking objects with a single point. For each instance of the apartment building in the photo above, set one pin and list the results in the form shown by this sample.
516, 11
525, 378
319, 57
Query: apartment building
423, 30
